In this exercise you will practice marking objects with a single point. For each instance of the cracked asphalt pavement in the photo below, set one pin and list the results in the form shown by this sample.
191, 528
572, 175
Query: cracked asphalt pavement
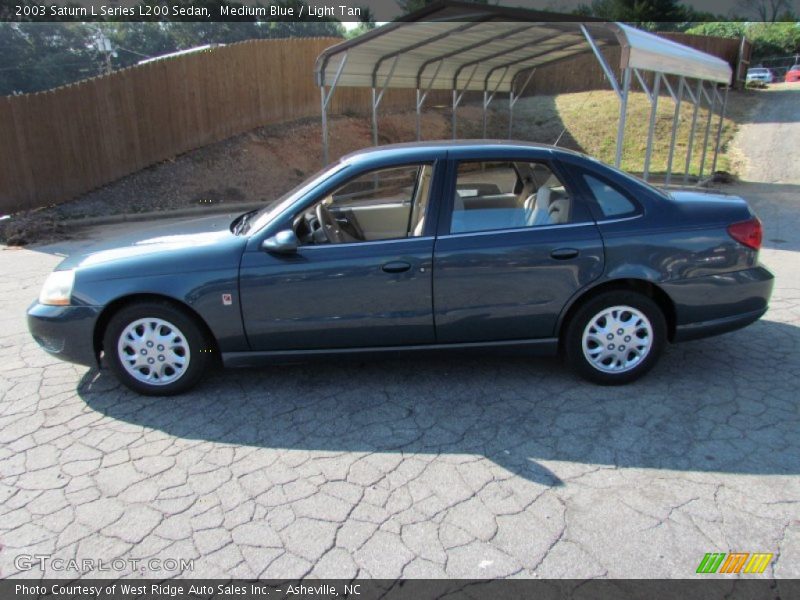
456, 466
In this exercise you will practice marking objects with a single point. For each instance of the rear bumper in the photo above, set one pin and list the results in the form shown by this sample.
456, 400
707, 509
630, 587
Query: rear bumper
706, 306
696, 331
66, 332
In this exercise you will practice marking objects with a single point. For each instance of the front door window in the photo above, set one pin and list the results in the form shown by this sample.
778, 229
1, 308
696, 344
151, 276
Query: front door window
385, 204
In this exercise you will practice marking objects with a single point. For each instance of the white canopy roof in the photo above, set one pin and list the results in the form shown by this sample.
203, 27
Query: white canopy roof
476, 47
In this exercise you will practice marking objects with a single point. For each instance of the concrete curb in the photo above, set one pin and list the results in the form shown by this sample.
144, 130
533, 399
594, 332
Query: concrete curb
215, 209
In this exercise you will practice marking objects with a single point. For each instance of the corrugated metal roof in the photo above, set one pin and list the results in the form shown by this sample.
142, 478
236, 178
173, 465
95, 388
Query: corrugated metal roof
488, 47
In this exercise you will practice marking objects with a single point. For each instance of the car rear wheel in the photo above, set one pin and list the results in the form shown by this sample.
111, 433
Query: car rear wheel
156, 349
615, 337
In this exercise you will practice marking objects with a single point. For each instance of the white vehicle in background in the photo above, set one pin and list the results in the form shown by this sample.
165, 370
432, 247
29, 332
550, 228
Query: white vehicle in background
760, 74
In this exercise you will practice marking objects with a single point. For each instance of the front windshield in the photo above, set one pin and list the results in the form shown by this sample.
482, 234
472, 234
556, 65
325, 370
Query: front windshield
269, 212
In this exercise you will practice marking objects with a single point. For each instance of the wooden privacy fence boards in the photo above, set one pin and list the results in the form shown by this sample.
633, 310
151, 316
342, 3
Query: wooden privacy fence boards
59, 144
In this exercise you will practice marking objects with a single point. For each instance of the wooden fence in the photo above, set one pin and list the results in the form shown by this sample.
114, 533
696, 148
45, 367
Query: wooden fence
58, 144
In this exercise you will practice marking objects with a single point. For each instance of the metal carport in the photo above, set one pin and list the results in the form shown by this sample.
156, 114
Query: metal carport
477, 48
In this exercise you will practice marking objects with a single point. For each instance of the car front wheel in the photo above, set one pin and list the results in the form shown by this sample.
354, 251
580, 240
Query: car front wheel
155, 349
615, 337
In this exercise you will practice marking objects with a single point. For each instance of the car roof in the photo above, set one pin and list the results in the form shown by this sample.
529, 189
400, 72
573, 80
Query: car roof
430, 149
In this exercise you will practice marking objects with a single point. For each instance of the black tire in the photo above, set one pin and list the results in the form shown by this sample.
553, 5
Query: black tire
199, 348
573, 337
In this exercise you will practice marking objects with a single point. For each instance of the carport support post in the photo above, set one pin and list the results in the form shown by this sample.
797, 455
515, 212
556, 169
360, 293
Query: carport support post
708, 128
376, 99
421, 96
601, 59
457, 97
510, 112
485, 107
652, 126
719, 129
374, 117
419, 115
513, 98
675, 125
487, 97
623, 113
325, 100
324, 109
697, 97
455, 108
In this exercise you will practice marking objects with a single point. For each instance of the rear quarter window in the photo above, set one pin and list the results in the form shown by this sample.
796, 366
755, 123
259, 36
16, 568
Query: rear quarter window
612, 202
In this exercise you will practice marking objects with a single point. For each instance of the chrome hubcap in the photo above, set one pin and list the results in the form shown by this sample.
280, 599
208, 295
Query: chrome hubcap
617, 339
154, 351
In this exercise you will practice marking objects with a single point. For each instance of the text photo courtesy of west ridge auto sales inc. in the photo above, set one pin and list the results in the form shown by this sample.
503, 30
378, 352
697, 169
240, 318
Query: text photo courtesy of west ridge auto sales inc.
404, 299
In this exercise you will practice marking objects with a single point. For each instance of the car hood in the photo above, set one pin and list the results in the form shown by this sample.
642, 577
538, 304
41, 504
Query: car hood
164, 243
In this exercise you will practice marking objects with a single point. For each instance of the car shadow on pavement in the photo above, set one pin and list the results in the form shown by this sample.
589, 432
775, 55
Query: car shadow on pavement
726, 404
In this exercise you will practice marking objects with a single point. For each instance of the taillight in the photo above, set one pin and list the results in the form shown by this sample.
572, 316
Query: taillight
748, 233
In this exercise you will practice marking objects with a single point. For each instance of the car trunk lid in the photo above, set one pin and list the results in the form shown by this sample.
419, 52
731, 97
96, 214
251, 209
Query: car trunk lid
706, 209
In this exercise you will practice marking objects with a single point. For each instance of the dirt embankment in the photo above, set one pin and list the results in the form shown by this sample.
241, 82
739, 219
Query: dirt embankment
257, 166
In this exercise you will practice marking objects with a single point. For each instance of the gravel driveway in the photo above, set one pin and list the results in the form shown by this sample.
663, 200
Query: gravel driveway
770, 142
451, 467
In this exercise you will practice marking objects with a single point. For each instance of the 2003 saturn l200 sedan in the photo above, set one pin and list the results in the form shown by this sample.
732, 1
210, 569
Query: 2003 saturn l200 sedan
416, 247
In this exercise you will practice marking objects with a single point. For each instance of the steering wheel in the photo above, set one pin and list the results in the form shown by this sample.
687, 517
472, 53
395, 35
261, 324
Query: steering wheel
329, 224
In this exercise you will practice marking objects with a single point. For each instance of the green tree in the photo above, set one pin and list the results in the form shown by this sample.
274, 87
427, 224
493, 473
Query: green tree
366, 23
769, 39
637, 11
768, 10
134, 41
729, 29
40, 56
409, 6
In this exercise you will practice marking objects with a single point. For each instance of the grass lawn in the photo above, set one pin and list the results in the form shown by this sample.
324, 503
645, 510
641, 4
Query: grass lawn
591, 118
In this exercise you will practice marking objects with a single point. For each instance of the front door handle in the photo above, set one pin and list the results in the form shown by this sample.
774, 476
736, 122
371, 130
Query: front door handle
396, 266
564, 253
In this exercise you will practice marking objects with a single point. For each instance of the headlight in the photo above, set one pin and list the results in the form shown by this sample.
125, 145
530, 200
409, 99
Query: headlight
57, 290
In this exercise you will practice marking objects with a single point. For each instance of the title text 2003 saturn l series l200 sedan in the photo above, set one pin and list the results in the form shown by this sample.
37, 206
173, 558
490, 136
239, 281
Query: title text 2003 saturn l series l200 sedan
416, 247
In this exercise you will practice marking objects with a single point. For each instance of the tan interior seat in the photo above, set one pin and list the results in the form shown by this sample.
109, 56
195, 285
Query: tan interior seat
537, 207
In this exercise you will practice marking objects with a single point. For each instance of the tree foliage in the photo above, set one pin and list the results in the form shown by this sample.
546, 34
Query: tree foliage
768, 10
769, 39
409, 6
636, 11
366, 23
41, 56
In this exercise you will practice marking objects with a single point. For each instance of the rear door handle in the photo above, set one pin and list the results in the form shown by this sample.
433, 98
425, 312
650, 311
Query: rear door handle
396, 266
564, 253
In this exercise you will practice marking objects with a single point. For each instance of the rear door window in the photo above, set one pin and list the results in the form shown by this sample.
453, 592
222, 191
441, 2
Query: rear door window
493, 195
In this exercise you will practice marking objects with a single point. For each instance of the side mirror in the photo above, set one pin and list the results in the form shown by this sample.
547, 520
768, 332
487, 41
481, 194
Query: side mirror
283, 242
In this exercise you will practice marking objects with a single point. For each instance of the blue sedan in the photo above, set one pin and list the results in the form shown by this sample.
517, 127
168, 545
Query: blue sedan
418, 247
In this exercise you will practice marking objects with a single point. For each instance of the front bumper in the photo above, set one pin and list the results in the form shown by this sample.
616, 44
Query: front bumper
66, 332
706, 306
